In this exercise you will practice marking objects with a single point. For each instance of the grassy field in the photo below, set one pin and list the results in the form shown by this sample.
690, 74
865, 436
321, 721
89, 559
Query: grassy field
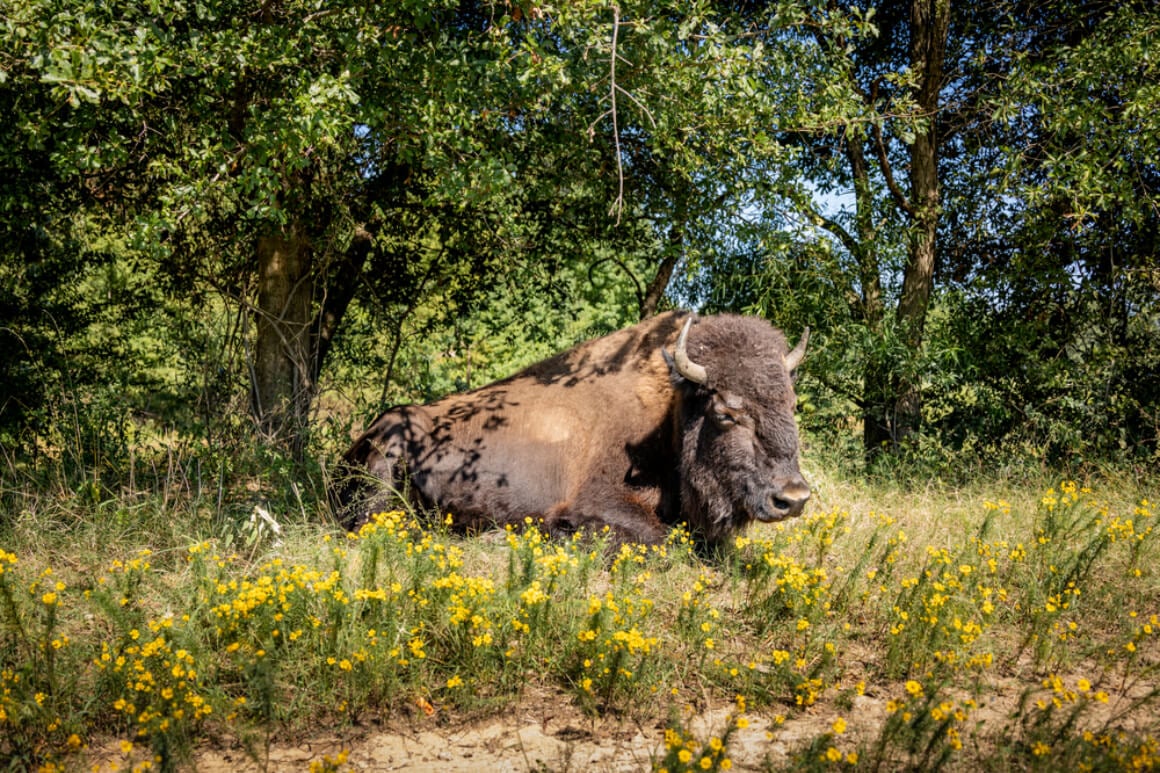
988, 628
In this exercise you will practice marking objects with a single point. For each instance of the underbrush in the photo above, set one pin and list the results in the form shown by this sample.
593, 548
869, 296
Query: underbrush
923, 632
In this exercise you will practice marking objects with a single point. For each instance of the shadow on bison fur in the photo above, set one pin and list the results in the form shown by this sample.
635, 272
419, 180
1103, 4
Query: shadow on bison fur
677, 419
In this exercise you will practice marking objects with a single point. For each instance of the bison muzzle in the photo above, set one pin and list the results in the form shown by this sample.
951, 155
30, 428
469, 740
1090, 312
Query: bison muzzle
678, 419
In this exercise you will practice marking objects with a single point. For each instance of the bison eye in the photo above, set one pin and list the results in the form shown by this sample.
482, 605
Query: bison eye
724, 420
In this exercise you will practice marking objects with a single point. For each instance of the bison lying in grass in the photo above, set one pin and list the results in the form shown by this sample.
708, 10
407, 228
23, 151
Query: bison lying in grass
676, 419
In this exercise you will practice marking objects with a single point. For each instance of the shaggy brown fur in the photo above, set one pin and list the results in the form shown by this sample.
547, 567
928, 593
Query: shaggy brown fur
605, 434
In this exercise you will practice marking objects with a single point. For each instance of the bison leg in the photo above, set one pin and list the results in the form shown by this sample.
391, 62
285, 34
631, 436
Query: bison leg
625, 519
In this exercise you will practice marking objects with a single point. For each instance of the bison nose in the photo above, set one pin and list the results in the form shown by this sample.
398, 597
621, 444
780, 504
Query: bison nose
791, 499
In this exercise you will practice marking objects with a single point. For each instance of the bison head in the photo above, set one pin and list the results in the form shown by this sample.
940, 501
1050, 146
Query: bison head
739, 441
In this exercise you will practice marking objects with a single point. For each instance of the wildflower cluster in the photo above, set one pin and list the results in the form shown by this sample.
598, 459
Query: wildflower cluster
1049, 587
941, 612
540, 572
788, 588
330, 764
833, 753
157, 685
404, 616
698, 620
612, 654
33, 711
1064, 572
684, 752
1133, 530
786, 575
1058, 728
923, 729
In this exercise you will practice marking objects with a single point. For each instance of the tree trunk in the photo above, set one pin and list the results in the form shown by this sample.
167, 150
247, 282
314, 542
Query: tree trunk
877, 394
930, 22
283, 383
660, 282
673, 253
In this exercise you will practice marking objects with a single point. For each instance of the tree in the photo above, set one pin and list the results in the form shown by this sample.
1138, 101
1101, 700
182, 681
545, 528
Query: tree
891, 402
1054, 211
890, 74
296, 160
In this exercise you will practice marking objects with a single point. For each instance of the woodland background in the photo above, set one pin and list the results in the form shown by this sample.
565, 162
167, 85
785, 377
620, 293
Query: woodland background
231, 232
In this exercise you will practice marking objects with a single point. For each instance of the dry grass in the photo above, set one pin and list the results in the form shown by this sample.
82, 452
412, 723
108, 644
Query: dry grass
992, 627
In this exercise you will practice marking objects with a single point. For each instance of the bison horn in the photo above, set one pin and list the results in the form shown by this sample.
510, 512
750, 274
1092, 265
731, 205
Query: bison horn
688, 369
794, 358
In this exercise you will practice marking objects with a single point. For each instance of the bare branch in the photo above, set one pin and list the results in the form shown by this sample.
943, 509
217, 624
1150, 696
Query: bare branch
618, 204
638, 103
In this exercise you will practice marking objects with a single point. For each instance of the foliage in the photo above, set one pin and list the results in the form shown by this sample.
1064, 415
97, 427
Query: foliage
476, 185
1052, 300
424, 162
1092, 98
1039, 338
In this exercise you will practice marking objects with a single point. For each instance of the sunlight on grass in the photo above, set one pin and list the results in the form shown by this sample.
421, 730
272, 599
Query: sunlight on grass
1028, 632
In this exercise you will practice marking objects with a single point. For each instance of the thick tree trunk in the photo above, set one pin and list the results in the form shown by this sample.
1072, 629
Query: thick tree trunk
930, 23
891, 401
283, 367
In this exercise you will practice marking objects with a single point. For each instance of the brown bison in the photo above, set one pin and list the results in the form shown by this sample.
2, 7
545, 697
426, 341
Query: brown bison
676, 419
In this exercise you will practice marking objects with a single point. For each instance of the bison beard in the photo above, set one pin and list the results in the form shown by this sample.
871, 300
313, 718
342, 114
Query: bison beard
676, 419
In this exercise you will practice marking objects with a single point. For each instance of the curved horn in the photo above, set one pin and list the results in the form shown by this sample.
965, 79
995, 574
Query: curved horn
686, 367
794, 358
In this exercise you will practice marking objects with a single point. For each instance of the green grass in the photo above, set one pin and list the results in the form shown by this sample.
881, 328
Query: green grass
992, 627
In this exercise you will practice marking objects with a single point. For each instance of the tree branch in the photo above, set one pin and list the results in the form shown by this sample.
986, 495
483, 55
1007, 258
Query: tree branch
640, 297
339, 292
613, 90
618, 204
819, 220
883, 161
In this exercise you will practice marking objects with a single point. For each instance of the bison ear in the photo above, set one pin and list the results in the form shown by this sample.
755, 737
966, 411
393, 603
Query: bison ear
676, 378
795, 357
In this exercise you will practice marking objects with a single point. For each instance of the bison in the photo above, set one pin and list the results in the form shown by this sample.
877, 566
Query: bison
677, 419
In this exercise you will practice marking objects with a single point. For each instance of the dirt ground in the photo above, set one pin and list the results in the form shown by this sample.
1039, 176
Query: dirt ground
545, 732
